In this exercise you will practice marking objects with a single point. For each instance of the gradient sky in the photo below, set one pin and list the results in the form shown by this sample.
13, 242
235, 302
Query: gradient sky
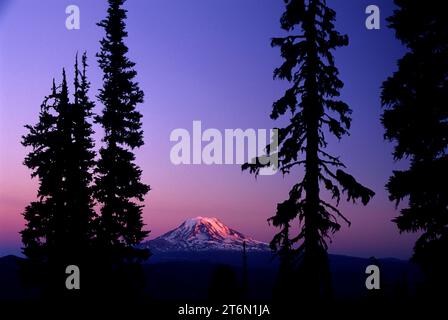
207, 60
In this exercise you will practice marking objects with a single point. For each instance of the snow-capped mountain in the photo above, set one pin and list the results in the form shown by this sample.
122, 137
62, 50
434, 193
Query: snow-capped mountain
203, 234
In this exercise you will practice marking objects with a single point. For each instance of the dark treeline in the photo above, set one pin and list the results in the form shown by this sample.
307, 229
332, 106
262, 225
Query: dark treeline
62, 227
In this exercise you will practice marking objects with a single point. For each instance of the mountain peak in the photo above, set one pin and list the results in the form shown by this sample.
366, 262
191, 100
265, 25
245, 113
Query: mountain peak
204, 234
202, 220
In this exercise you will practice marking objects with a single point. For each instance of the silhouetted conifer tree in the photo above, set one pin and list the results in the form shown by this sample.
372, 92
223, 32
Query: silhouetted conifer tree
80, 178
38, 235
82, 157
119, 189
58, 229
286, 275
316, 111
416, 119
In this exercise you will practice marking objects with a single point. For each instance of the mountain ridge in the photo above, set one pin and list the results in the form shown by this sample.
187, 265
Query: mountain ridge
204, 234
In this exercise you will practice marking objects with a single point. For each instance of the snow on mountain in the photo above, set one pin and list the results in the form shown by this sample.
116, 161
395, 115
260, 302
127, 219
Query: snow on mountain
203, 234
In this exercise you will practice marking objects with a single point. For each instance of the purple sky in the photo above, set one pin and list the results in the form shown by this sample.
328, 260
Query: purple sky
207, 60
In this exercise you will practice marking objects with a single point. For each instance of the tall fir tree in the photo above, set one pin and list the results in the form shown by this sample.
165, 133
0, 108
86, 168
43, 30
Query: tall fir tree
316, 111
46, 233
57, 232
118, 187
82, 158
416, 119
80, 178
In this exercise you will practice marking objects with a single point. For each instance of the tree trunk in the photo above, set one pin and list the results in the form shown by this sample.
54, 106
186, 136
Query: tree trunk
313, 250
